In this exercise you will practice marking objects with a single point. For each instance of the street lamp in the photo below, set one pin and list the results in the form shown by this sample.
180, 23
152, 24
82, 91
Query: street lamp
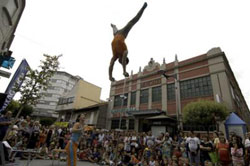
217, 121
177, 95
123, 97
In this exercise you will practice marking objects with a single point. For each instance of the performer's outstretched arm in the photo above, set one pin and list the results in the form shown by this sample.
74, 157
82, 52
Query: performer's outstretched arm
124, 31
112, 62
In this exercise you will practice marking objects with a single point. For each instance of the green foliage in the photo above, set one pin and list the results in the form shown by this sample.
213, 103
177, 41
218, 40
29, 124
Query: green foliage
203, 112
14, 107
47, 121
35, 81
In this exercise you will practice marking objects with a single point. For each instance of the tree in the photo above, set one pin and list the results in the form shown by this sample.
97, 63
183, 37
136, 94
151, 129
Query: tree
47, 121
34, 82
204, 112
14, 107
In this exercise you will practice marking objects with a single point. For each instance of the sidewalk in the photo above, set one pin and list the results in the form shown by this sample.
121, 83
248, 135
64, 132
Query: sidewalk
49, 163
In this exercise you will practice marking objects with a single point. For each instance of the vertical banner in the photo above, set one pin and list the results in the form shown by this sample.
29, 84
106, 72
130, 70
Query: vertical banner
15, 81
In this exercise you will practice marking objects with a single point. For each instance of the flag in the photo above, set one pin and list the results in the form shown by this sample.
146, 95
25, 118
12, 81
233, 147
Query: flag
15, 81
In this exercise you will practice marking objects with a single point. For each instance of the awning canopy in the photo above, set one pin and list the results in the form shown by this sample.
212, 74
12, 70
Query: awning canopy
234, 119
146, 112
160, 117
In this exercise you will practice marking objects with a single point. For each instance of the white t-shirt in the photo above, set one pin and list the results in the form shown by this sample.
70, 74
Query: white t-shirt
247, 143
151, 163
193, 143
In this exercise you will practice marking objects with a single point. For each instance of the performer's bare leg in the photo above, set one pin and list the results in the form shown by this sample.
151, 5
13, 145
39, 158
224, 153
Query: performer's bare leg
124, 63
124, 31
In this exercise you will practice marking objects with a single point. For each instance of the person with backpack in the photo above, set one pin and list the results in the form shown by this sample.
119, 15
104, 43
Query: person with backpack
193, 144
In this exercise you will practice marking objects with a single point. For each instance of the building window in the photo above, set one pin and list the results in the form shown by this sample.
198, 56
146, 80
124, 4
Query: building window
41, 102
52, 103
131, 125
51, 87
144, 96
119, 99
62, 101
70, 99
171, 91
115, 124
197, 87
125, 101
53, 80
133, 98
48, 95
156, 94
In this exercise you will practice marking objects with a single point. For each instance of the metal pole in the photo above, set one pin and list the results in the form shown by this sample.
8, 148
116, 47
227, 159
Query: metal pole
177, 105
122, 102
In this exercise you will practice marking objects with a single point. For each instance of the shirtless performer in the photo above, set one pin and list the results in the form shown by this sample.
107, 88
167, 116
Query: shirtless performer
119, 47
71, 147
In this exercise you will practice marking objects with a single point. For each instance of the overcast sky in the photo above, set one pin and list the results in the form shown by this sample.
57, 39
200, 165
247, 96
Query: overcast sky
81, 31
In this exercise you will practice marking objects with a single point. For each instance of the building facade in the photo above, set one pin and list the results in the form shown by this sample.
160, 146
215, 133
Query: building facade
60, 84
82, 95
95, 115
147, 100
11, 12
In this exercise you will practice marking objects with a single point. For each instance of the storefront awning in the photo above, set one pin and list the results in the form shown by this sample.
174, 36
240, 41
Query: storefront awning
146, 112
160, 117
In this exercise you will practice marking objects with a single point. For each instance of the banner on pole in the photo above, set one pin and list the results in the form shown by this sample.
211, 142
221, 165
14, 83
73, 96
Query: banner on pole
15, 81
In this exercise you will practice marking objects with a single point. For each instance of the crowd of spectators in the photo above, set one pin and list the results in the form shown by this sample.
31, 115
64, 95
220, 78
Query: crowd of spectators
110, 147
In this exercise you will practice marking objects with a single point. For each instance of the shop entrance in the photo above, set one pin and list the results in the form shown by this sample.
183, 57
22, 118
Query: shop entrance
144, 125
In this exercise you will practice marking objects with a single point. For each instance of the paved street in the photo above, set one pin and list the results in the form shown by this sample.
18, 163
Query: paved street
49, 163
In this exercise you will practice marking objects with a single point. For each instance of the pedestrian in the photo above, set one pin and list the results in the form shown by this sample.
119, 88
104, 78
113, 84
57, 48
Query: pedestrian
193, 149
247, 149
223, 152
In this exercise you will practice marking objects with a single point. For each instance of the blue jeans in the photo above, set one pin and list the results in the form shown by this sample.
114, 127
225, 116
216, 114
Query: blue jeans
194, 158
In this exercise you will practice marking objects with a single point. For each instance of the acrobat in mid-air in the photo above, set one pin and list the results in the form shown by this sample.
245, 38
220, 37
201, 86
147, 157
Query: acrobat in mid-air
119, 47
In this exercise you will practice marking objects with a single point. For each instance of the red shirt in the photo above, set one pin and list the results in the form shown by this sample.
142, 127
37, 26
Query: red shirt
223, 150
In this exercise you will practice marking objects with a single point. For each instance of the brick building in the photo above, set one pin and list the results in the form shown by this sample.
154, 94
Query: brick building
147, 101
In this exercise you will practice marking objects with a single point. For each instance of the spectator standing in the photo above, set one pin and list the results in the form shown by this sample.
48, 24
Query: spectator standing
205, 148
5, 121
193, 149
62, 138
223, 152
247, 149
237, 153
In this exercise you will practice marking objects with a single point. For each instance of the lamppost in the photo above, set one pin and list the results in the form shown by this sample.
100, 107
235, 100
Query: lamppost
177, 97
123, 97
217, 122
